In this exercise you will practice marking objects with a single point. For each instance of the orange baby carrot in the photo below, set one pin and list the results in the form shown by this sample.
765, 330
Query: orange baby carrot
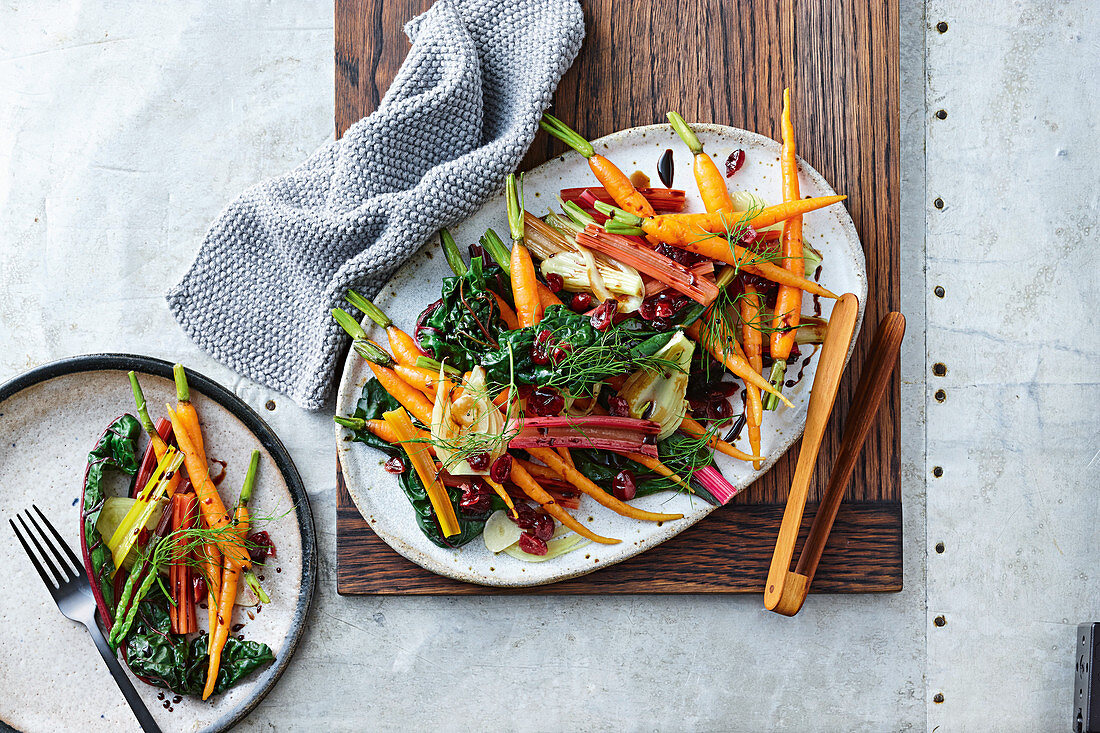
788, 300
711, 183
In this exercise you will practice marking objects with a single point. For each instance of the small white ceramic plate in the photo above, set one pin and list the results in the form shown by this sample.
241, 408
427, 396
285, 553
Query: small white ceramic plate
51, 675
376, 493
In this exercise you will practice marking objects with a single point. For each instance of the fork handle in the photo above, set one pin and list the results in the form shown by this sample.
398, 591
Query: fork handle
145, 718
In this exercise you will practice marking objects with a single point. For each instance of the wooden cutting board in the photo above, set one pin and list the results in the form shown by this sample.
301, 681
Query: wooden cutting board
723, 62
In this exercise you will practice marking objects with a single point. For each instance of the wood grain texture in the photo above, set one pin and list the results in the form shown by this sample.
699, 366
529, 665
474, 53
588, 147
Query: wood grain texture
723, 62
728, 552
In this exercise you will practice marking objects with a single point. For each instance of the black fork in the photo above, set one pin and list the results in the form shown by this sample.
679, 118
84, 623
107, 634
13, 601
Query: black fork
64, 575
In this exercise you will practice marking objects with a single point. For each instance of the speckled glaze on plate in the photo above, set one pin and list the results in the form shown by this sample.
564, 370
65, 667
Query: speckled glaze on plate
376, 493
50, 418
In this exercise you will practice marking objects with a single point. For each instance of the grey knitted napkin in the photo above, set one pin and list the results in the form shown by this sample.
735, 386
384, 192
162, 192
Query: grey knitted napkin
459, 116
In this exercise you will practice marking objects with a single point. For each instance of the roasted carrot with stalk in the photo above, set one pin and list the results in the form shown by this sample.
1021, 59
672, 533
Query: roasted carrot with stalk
728, 358
230, 574
693, 238
160, 447
587, 486
711, 183
751, 305
719, 221
422, 379
186, 410
788, 301
381, 429
617, 183
536, 493
525, 290
210, 503
425, 468
404, 346
692, 427
411, 398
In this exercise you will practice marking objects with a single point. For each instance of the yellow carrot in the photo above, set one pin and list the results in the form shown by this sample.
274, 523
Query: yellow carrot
421, 461
696, 430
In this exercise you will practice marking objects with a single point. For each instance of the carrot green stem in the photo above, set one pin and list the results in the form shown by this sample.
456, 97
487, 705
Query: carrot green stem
354, 423
370, 310
183, 393
566, 134
779, 371
624, 217
254, 583
372, 353
250, 478
427, 362
494, 245
142, 409
686, 134
450, 251
513, 194
616, 227
577, 214
349, 324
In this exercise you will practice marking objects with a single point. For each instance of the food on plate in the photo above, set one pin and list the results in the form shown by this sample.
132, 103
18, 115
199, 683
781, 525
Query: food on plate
599, 355
168, 546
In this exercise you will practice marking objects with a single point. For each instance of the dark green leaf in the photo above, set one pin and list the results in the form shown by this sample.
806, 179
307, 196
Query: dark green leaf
115, 450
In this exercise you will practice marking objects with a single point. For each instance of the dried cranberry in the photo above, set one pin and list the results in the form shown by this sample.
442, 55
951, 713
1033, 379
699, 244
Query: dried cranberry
198, 588
734, 162
394, 465
561, 351
542, 527
720, 409
260, 546
475, 498
502, 468
542, 337
624, 486
664, 309
478, 461
648, 309
554, 282
525, 516
545, 401
661, 324
539, 356
581, 302
723, 389
602, 317
532, 545
618, 406
749, 236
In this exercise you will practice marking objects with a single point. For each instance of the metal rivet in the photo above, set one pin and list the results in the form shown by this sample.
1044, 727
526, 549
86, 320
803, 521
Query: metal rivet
941, 27
270, 405
940, 548
939, 291
937, 471
940, 621
940, 395
938, 697
938, 203
941, 114
939, 369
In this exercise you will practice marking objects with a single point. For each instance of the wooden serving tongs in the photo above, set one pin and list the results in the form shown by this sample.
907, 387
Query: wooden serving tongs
786, 590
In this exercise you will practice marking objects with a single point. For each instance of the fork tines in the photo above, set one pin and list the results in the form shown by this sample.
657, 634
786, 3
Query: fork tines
54, 552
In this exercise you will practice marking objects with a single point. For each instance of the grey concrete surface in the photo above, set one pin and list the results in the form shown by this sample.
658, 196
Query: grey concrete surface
123, 132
